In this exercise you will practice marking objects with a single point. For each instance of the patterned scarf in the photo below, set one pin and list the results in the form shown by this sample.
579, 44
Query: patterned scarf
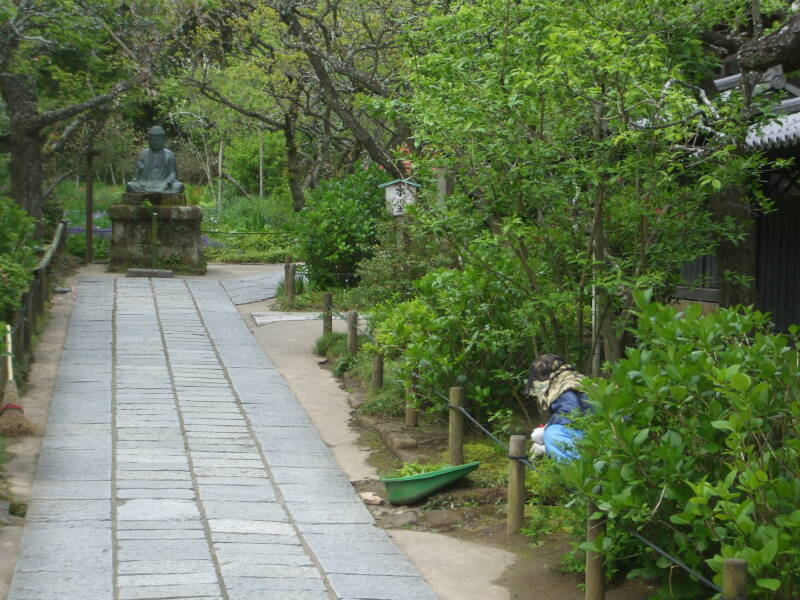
562, 379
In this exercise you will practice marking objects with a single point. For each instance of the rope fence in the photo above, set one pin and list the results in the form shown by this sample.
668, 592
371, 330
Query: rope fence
26, 319
735, 570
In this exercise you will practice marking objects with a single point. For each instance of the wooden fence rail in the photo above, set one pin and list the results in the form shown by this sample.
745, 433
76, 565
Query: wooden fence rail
26, 319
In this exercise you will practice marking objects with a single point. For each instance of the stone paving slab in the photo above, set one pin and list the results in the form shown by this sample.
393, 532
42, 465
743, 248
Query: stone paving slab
178, 464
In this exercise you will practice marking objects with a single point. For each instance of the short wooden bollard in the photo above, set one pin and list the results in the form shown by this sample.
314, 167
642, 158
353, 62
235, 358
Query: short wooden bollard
734, 579
288, 282
595, 567
27, 332
516, 485
412, 415
455, 443
352, 332
40, 283
377, 372
30, 309
327, 313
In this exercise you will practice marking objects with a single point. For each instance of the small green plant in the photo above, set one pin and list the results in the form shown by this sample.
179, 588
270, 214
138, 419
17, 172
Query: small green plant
331, 344
76, 246
342, 364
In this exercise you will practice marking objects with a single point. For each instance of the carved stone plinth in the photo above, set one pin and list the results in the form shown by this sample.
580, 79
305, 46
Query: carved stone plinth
154, 198
178, 238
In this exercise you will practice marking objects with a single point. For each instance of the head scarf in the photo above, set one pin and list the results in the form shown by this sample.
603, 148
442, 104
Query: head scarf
550, 376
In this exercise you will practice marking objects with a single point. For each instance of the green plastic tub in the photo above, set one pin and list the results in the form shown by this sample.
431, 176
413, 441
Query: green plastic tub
406, 490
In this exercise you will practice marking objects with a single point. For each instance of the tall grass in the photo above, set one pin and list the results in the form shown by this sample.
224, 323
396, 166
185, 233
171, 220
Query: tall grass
251, 213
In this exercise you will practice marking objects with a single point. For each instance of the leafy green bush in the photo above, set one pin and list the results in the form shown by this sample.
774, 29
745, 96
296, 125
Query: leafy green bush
17, 254
339, 225
390, 272
76, 245
466, 327
694, 443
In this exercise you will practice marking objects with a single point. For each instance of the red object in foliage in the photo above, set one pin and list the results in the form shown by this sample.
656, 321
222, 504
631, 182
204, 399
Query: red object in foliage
11, 407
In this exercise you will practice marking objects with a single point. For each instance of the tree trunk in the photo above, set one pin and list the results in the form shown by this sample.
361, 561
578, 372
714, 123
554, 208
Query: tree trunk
26, 159
27, 168
294, 164
736, 260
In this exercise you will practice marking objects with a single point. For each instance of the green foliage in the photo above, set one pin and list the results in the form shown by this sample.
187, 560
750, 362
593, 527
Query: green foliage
242, 157
270, 246
694, 444
71, 199
393, 267
76, 245
331, 344
17, 254
251, 213
387, 402
410, 469
465, 327
338, 226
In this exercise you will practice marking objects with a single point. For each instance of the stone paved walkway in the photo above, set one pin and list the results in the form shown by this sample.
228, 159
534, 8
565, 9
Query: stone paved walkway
245, 290
178, 464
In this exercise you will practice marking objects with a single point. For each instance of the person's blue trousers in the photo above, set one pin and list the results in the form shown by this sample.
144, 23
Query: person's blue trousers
559, 441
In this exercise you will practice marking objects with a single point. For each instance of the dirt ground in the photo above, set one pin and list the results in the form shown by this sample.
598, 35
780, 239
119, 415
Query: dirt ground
464, 554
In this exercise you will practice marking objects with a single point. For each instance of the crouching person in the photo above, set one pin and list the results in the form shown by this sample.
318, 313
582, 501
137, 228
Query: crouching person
556, 387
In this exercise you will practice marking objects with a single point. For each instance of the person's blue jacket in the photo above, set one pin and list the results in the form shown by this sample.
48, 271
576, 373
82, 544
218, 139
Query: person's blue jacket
565, 404
559, 436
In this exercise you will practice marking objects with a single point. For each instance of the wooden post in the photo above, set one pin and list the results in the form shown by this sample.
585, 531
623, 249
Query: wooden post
444, 184
412, 414
377, 372
154, 240
734, 579
516, 485
5, 360
327, 313
595, 567
260, 161
30, 311
45, 291
18, 342
455, 444
62, 243
219, 177
90, 205
40, 290
288, 282
352, 332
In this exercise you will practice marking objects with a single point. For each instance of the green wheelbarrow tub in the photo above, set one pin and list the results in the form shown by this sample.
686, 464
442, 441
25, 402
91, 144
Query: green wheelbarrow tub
406, 490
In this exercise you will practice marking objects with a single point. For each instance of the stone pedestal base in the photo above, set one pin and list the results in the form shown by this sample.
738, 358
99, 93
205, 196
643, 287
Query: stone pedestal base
154, 198
178, 239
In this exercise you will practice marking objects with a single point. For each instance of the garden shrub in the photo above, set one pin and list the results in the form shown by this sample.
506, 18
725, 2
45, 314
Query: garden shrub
17, 254
338, 227
76, 245
693, 443
465, 327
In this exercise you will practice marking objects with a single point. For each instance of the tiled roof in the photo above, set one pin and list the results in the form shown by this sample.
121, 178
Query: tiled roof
783, 132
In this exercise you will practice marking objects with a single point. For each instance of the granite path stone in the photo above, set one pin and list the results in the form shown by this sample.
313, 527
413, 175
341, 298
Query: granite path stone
177, 463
